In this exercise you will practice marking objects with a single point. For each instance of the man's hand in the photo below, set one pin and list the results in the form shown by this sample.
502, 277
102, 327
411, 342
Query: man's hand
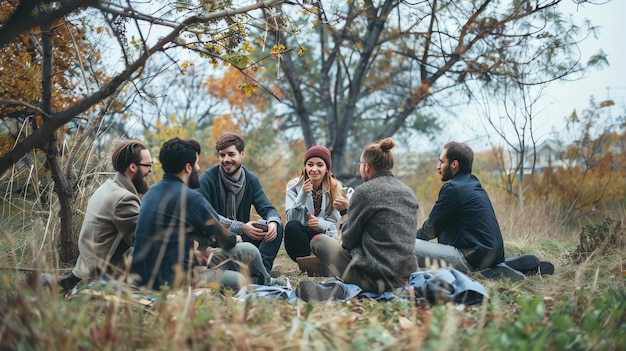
341, 203
203, 255
314, 222
256, 233
272, 232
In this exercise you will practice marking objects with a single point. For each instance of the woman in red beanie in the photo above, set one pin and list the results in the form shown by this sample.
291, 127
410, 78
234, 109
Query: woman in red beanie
314, 190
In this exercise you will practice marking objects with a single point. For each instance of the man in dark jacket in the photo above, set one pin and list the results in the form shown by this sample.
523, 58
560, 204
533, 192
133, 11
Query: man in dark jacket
233, 190
463, 221
171, 218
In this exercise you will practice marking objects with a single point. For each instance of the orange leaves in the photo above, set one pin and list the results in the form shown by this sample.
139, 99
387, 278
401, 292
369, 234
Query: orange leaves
243, 83
20, 66
39, 120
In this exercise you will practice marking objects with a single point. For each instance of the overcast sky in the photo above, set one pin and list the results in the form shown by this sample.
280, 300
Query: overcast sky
609, 82
561, 98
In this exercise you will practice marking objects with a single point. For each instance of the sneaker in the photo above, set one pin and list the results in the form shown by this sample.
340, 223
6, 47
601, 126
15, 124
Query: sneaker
527, 263
503, 271
545, 268
68, 282
310, 290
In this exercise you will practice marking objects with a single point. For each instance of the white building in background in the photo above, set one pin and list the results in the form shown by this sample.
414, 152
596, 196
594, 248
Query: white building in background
549, 153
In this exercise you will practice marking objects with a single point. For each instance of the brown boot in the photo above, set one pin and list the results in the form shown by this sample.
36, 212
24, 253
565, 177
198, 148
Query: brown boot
311, 265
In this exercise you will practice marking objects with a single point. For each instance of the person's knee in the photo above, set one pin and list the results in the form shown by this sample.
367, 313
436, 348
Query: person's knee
316, 243
292, 226
246, 253
233, 280
246, 247
322, 245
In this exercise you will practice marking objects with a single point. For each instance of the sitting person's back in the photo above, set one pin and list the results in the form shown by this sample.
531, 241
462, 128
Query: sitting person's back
171, 218
378, 237
464, 223
463, 217
108, 229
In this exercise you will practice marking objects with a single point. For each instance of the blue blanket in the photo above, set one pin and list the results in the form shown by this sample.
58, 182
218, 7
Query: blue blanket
436, 286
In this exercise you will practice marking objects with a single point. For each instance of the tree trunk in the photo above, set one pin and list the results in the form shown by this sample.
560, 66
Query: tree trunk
64, 184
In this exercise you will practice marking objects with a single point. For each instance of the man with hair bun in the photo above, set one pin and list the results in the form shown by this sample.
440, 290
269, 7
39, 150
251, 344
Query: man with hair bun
376, 252
108, 230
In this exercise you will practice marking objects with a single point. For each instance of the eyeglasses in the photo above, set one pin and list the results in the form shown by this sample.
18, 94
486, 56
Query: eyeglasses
149, 165
356, 166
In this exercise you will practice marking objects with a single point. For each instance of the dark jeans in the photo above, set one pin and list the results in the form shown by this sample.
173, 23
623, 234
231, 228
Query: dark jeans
268, 250
298, 239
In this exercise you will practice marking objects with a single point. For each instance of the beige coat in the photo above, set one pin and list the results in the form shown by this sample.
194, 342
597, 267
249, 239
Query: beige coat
108, 229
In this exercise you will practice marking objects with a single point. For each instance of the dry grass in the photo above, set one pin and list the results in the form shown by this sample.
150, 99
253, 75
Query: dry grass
581, 306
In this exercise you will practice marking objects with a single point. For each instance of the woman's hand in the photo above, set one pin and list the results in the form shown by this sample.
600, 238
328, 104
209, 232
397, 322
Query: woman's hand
307, 187
341, 203
314, 222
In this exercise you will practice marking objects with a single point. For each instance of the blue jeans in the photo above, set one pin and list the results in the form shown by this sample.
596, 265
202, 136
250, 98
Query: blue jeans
243, 258
268, 250
226, 278
431, 254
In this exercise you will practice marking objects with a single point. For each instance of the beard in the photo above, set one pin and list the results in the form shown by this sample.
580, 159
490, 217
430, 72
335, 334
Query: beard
446, 174
140, 183
194, 180
237, 168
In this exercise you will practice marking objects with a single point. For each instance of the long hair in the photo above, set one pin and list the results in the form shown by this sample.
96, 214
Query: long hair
329, 181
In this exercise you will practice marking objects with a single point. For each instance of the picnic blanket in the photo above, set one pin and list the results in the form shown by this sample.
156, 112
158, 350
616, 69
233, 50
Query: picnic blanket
435, 286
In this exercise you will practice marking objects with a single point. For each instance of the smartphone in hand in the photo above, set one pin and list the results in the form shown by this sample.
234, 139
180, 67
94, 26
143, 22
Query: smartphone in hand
261, 224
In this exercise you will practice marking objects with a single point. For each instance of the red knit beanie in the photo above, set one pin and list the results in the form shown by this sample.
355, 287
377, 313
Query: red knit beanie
321, 152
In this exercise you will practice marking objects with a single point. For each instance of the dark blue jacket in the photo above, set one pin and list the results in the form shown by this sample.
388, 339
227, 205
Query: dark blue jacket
253, 196
171, 217
463, 217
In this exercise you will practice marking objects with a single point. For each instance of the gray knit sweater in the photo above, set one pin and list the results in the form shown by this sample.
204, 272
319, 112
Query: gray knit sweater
380, 230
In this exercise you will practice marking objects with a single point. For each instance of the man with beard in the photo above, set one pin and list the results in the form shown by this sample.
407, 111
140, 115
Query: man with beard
233, 190
464, 222
176, 224
108, 230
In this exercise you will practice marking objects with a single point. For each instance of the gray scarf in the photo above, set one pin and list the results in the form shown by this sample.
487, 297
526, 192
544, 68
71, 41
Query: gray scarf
230, 189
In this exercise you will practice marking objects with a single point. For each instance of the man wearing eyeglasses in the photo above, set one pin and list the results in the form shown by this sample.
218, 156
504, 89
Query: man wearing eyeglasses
108, 229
